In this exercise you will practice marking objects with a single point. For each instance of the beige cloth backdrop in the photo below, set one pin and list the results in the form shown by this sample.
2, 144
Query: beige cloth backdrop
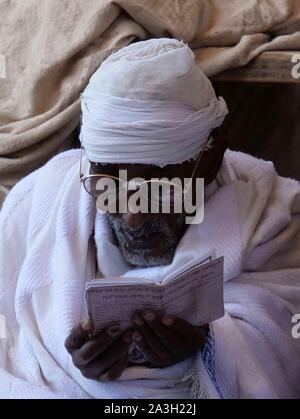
52, 47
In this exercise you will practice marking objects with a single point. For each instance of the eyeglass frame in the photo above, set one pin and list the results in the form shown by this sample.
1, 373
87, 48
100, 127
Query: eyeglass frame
84, 178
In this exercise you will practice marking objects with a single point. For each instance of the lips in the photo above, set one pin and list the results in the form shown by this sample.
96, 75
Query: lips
150, 241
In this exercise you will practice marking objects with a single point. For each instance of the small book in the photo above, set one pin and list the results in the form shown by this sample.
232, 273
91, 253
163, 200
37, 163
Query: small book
194, 293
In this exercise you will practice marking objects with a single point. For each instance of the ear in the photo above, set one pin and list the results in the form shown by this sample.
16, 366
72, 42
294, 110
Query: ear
214, 157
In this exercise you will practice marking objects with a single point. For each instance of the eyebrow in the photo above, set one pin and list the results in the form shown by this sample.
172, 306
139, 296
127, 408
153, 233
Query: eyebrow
147, 172
98, 168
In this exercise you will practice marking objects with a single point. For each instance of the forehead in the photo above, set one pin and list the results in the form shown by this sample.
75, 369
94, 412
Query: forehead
146, 171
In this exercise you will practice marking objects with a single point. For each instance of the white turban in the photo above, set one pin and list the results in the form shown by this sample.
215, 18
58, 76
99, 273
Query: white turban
149, 103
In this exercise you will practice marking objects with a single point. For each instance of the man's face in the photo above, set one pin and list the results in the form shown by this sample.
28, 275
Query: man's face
151, 239
147, 239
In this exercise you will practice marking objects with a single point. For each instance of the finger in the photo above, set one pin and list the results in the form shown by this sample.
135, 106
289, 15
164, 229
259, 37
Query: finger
192, 334
172, 341
117, 369
96, 369
99, 344
153, 341
150, 355
78, 336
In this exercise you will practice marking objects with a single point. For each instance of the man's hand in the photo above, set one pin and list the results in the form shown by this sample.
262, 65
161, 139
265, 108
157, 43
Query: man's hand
165, 339
107, 353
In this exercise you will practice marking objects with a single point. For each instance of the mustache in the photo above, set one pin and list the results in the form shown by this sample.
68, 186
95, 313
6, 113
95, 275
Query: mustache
124, 234
150, 227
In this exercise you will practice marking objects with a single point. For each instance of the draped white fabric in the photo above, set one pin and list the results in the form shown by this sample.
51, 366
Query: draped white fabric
253, 219
149, 103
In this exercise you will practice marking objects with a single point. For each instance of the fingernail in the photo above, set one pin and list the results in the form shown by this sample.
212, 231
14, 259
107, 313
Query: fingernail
113, 331
137, 337
127, 337
167, 321
138, 321
87, 325
149, 316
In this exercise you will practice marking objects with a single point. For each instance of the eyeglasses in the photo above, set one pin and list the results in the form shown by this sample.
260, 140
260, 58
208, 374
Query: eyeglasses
159, 191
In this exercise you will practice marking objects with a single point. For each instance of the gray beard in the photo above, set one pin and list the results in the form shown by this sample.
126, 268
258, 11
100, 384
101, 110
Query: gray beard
163, 255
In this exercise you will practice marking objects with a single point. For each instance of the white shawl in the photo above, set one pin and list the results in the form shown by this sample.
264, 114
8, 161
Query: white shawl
253, 219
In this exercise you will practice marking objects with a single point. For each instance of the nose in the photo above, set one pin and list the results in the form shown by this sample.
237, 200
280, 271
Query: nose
135, 221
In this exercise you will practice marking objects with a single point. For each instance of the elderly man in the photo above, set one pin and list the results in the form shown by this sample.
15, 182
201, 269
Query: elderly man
150, 111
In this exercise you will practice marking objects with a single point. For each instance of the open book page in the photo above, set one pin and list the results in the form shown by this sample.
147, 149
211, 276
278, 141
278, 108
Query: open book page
109, 304
184, 267
197, 294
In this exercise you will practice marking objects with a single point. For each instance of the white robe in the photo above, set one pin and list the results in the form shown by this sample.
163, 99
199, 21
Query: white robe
253, 219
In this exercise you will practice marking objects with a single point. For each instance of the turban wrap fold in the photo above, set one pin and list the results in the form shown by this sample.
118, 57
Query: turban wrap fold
149, 103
